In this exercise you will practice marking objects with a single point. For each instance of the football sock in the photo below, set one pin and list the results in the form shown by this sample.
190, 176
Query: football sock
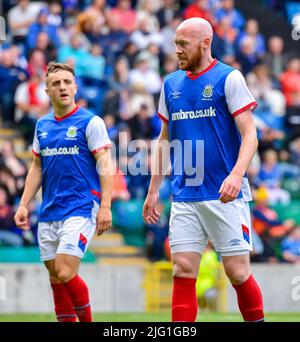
79, 294
250, 300
63, 305
184, 300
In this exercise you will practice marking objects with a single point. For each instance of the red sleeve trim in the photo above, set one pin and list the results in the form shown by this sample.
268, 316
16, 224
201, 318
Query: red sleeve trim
35, 153
101, 148
162, 118
96, 193
251, 105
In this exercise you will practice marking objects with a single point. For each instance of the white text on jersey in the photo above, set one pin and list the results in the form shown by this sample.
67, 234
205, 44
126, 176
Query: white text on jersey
48, 152
181, 115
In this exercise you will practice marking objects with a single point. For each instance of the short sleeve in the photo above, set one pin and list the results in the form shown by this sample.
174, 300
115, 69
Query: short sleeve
162, 106
96, 135
36, 144
238, 95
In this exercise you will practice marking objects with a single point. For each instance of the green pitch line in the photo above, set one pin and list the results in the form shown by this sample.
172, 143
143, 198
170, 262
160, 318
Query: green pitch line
150, 317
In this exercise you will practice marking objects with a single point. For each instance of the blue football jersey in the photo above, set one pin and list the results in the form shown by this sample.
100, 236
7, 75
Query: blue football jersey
66, 145
205, 141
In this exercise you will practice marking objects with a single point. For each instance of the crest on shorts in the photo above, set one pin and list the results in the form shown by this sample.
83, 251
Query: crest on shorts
208, 91
72, 132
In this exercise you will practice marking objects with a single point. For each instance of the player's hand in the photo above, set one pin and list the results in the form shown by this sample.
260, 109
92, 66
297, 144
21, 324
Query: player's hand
104, 220
150, 213
21, 218
230, 188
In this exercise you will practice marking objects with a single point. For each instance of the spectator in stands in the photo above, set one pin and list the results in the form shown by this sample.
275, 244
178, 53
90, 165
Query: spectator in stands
200, 9
130, 51
260, 83
10, 77
119, 81
295, 151
93, 66
293, 117
36, 62
141, 124
125, 15
167, 12
151, 55
269, 228
168, 34
142, 74
32, 103
146, 8
44, 44
227, 34
120, 191
7, 179
42, 25
291, 247
75, 51
247, 56
21, 17
7, 225
95, 12
228, 10
290, 82
275, 58
170, 64
143, 35
113, 41
11, 161
155, 236
138, 96
252, 31
269, 176
55, 13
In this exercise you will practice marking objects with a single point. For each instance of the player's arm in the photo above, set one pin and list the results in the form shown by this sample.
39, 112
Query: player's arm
159, 170
32, 185
105, 168
231, 186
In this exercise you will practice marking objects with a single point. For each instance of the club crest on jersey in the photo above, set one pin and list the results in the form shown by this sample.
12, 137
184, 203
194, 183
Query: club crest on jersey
208, 91
72, 132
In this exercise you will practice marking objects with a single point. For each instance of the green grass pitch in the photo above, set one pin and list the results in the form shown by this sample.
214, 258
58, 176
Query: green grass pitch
150, 317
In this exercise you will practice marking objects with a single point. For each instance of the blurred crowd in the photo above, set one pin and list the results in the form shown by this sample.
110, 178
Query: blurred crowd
121, 50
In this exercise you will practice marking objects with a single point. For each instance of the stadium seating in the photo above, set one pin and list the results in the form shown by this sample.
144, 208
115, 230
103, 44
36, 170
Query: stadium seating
127, 217
288, 211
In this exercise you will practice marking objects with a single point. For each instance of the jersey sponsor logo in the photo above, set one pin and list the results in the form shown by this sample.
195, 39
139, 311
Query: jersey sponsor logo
201, 113
44, 135
49, 152
208, 91
71, 133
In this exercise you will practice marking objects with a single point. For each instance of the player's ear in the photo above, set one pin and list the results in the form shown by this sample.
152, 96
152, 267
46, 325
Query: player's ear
206, 42
47, 90
76, 88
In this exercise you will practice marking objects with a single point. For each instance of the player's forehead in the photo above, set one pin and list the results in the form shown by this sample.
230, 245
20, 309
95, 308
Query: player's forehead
60, 75
185, 35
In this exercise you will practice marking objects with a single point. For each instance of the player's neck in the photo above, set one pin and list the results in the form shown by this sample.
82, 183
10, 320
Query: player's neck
204, 64
61, 112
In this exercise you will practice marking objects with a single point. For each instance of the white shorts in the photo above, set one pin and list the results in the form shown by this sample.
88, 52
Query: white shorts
71, 236
227, 226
